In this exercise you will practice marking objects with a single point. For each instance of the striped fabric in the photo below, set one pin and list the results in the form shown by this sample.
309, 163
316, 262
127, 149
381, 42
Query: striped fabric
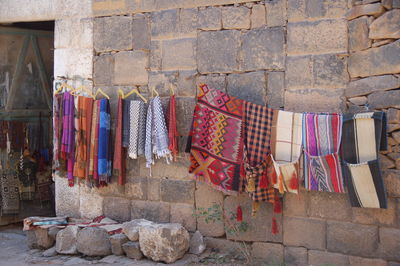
363, 136
321, 140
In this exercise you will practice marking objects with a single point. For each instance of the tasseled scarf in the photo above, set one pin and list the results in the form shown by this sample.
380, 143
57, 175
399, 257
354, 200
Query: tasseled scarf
118, 149
172, 131
104, 153
68, 136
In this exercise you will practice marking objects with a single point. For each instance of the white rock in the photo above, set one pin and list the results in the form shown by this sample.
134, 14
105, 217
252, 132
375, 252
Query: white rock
131, 229
66, 240
197, 244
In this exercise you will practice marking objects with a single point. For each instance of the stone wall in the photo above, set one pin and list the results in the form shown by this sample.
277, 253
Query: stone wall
300, 55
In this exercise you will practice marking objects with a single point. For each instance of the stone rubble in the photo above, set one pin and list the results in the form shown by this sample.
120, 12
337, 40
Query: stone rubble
66, 240
132, 250
197, 244
92, 241
116, 243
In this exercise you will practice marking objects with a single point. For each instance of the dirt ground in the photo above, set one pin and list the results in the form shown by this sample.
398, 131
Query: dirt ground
15, 252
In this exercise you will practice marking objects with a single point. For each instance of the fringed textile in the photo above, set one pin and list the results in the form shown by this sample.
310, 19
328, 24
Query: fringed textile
134, 115
118, 149
125, 123
68, 136
172, 130
104, 152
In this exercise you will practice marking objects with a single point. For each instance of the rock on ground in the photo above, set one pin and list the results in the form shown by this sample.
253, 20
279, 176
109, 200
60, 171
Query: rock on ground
132, 250
164, 242
66, 240
92, 241
197, 244
50, 252
131, 228
39, 238
116, 243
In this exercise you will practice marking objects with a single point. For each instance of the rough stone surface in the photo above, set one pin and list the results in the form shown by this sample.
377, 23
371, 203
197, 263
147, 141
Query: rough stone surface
53, 231
93, 241
259, 227
179, 54
354, 239
131, 228
183, 214
296, 205
197, 243
268, 252
214, 81
316, 257
217, 51
164, 242
155, 55
263, 48
235, 17
296, 256
112, 33
361, 10
314, 100
150, 210
257, 17
153, 189
389, 245
164, 23
103, 69
384, 99
306, 232
179, 191
392, 182
136, 187
330, 71
378, 43
210, 18
188, 21
223, 245
90, 203
375, 61
66, 240
117, 208
393, 116
361, 100
67, 198
300, 10
334, 206
358, 261
371, 84
299, 72
248, 86
358, 34
39, 239
51, 252
275, 89
386, 26
132, 250
117, 241
140, 32
317, 37
276, 13
127, 63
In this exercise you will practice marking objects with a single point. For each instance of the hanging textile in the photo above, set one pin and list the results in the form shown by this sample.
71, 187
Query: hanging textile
9, 184
286, 144
257, 124
27, 169
172, 130
364, 135
118, 164
322, 135
216, 139
125, 123
94, 141
3, 134
134, 114
96, 146
17, 136
142, 130
68, 136
57, 110
104, 152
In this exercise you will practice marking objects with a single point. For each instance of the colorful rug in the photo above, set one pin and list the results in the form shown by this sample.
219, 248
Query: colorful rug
9, 185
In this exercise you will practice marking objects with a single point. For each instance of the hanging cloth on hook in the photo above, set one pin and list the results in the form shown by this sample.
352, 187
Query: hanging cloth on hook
172, 130
68, 136
104, 154
119, 159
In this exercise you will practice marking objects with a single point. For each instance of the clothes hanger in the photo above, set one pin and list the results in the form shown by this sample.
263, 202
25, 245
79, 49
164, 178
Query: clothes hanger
121, 93
136, 91
85, 89
171, 89
101, 92
153, 90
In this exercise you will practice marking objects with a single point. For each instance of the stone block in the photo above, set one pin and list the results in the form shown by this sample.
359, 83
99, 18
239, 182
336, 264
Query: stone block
153, 189
112, 33
322, 36
130, 68
186, 85
117, 208
314, 100
393, 116
358, 34
263, 48
93, 241
184, 116
248, 86
392, 182
276, 13
155, 55
258, 16
377, 43
299, 72
384, 99
275, 89
259, 226
353, 239
117, 241
296, 205
316, 257
217, 51
67, 198
206, 197
112, 189
161, 81
389, 244
179, 54
306, 232
362, 10
361, 100
386, 26
371, 84
103, 69
39, 238
375, 61
215, 81
188, 21
90, 203
224, 245
197, 243
136, 187
164, 23
267, 252
132, 250
178, 191
73, 33
183, 214
358, 261
140, 32
296, 256
66, 240
385, 162
334, 206
151, 210
235, 17
176, 170
210, 18
73, 62
300, 10
330, 71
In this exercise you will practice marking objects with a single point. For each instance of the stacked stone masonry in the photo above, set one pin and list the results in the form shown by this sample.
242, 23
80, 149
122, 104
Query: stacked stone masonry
300, 55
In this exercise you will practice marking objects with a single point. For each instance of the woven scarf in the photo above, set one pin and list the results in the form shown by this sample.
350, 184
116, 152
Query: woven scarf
134, 115
93, 142
364, 135
321, 140
68, 136
57, 107
286, 144
118, 149
216, 139
104, 158
125, 123
172, 130
142, 130
96, 144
